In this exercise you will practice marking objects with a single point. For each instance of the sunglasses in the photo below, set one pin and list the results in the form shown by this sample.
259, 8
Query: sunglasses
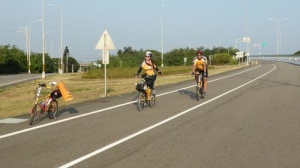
147, 56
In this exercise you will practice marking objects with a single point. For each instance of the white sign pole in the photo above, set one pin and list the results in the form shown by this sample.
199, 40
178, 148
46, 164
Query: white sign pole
105, 61
105, 43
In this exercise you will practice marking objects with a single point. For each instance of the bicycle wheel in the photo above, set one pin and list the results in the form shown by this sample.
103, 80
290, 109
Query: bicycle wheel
33, 114
52, 109
152, 101
141, 101
201, 93
197, 93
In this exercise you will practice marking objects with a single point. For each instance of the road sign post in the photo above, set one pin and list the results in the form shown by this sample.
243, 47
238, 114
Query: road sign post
105, 44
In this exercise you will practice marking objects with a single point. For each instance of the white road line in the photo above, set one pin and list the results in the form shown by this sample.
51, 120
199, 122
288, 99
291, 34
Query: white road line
105, 109
155, 125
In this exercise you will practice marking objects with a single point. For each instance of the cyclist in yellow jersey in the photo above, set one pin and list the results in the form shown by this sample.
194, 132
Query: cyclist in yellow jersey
150, 68
200, 66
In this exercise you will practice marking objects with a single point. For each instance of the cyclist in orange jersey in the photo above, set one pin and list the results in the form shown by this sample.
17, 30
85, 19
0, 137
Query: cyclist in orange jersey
200, 66
150, 68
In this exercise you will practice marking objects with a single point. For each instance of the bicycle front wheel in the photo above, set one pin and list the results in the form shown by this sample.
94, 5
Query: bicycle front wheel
33, 113
52, 109
141, 101
197, 93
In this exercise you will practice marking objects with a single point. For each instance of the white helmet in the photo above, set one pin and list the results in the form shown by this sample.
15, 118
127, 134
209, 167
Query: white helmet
148, 53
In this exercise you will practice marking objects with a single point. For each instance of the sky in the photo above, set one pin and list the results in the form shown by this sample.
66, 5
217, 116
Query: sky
152, 25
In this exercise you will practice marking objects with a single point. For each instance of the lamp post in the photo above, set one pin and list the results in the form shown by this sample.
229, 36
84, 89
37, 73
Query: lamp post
250, 39
61, 36
280, 34
43, 40
25, 31
161, 35
278, 21
247, 33
51, 47
29, 43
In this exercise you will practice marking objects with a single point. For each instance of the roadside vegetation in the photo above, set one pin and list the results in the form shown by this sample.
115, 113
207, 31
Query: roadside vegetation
16, 61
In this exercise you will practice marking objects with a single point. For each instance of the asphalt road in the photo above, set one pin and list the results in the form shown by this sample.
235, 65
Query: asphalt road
249, 119
7, 80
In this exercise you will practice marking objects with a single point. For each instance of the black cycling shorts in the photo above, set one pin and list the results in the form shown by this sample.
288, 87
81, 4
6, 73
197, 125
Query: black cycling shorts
201, 72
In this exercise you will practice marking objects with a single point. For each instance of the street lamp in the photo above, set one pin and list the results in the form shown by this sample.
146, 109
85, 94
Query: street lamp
51, 47
280, 34
250, 39
29, 43
25, 31
43, 40
247, 32
277, 20
161, 35
61, 36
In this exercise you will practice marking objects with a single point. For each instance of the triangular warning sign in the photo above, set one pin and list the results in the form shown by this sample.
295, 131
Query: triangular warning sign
105, 42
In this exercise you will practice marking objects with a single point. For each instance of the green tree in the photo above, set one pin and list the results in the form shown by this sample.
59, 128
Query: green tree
222, 59
297, 53
72, 63
12, 60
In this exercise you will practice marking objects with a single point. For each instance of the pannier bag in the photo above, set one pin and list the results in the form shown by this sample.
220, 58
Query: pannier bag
140, 87
55, 94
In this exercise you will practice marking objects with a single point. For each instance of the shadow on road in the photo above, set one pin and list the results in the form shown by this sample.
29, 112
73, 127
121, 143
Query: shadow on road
188, 93
71, 110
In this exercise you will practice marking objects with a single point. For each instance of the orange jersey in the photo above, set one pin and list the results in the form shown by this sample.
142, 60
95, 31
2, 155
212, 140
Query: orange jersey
148, 68
199, 64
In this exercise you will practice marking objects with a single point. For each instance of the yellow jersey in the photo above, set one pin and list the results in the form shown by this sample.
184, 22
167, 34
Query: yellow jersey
148, 68
199, 64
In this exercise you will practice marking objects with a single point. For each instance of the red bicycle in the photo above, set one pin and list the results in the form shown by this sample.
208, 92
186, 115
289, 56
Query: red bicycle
50, 105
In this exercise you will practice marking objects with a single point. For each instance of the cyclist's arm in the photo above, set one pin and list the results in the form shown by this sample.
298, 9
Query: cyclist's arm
139, 71
194, 67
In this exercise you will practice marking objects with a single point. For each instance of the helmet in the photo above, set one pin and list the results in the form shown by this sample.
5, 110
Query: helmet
148, 53
199, 52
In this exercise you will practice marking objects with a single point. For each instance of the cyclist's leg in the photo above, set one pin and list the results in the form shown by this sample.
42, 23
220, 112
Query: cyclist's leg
205, 81
149, 83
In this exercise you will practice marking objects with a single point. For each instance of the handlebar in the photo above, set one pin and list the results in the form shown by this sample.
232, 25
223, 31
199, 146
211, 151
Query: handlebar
144, 75
45, 85
137, 75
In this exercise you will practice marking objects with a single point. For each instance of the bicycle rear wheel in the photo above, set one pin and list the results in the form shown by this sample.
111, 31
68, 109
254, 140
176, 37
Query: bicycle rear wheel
52, 109
33, 113
152, 101
141, 101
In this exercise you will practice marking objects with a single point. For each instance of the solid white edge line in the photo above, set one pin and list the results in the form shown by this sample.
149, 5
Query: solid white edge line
155, 125
105, 109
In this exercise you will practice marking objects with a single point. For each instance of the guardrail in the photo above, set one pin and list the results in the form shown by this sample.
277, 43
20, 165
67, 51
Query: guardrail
288, 59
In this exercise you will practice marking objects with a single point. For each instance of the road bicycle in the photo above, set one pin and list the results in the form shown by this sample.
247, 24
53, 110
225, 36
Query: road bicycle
50, 105
146, 95
199, 86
